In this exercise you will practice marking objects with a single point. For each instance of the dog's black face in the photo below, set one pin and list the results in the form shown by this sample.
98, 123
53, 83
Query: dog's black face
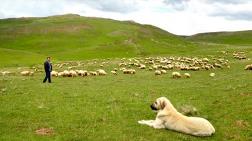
159, 104
153, 107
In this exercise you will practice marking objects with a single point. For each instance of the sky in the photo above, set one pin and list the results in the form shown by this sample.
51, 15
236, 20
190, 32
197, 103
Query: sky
181, 17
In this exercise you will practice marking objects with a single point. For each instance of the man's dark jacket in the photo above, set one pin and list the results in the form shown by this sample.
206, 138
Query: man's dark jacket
47, 66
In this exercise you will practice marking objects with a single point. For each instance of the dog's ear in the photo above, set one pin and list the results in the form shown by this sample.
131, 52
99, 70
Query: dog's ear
163, 104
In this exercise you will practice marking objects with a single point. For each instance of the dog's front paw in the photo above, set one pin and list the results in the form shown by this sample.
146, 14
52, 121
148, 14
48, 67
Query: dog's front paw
141, 121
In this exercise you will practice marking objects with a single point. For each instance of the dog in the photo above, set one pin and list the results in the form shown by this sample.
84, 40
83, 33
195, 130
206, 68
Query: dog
168, 117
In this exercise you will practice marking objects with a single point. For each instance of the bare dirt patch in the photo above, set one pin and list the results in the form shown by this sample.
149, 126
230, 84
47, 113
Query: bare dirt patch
44, 131
242, 124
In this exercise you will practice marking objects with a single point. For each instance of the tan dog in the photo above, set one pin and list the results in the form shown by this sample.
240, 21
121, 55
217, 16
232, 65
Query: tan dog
168, 117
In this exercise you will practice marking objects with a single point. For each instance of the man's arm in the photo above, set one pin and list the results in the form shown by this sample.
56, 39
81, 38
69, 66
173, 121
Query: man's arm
46, 66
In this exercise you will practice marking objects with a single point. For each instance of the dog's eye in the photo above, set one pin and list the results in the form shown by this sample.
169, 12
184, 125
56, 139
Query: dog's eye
156, 102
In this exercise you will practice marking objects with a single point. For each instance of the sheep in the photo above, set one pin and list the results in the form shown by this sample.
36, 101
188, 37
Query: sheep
122, 69
113, 72
206, 67
187, 75
248, 67
158, 72
137, 65
184, 68
176, 75
212, 74
163, 71
82, 72
5, 73
54, 73
217, 65
73, 73
93, 73
155, 67
205, 60
27, 73
165, 67
129, 71
142, 66
170, 66
61, 74
65, 73
239, 55
194, 68
101, 72
151, 62
122, 64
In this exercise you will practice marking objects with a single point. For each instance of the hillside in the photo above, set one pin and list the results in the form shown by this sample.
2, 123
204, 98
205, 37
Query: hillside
73, 37
232, 38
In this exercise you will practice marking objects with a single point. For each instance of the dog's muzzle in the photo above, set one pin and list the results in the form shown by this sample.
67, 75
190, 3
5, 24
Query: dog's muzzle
153, 107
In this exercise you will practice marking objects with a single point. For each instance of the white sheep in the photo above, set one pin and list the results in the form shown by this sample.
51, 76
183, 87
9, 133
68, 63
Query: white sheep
142, 66
205, 59
113, 72
5, 73
187, 75
54, 73
248, 67
176, 75
155, 67
93, 73
83, 73
194, 68
27, 73
73, 73
101, 72
212, 74
163, 71
158, 72
66, 73
61, 74
129, 71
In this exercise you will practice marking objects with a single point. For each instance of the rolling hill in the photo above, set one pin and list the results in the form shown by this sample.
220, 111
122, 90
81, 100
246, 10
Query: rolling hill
73, 37
231, 38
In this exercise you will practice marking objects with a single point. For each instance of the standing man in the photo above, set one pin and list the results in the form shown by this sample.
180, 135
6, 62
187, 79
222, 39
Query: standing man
48, 69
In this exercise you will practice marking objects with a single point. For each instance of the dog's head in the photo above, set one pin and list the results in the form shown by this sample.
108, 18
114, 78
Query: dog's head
159, 104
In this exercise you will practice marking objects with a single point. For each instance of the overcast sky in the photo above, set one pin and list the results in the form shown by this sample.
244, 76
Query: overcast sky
183, 17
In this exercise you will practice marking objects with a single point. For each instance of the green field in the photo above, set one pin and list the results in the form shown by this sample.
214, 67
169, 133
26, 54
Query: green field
108, 107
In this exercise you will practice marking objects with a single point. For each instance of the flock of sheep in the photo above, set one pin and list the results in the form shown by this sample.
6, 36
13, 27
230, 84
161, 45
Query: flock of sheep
159, 65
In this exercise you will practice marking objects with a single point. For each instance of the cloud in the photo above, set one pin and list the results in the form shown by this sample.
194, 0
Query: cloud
226, 1
123, 6
240, 15
241, 11
20, 8
2, 16
177, 4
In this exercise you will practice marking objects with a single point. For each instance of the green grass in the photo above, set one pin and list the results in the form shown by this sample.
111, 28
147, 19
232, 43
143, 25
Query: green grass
108, 107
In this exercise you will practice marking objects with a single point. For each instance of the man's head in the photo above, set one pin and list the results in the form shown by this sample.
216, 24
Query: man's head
48, 58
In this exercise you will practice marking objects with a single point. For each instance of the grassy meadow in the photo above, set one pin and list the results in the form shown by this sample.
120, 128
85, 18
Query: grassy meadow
97, 108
